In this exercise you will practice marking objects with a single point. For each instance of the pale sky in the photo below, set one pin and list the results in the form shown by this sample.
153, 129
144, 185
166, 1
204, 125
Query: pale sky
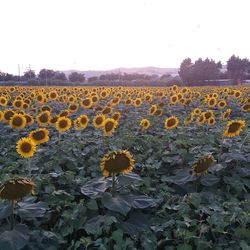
107, 34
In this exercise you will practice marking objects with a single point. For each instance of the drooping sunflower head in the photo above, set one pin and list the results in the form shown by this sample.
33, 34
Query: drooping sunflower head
116, 116
63, 124
17, 121
64, 113
211, 121
245, 107
226, 114
26, 147
29, 119
1, 115
233, 128
201, 119
145, 124
77, 124
109, 126
152, 109
16, 189
171, 122
202, 165
39, 136
117, 162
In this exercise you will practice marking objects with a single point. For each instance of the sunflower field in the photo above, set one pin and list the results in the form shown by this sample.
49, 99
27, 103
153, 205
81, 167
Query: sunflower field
124, 168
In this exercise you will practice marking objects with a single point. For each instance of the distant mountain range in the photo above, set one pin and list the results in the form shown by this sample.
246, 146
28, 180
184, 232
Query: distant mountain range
141, 70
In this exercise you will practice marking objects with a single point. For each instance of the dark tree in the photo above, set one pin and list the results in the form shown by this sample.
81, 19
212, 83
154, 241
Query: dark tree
29, 74
46, 74
76, 77
60, 76
186, 69
238, 68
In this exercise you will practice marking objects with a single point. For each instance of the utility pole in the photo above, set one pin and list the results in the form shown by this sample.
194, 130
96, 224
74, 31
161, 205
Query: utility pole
19, 72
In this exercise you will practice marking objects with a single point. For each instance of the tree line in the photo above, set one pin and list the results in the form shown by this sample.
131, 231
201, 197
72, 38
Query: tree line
200, 71
45, 76
190, 73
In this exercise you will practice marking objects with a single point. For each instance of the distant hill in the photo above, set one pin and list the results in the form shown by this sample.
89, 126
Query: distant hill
141, 70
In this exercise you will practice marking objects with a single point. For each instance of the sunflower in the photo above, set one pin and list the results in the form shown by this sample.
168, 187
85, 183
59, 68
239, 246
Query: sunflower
26, 147
16, 189
171, 122
87, 103
18, 104
225, 114
137, 102
202, 165
233, 128
53, 120
43, 118
201, 119
29, 119
173, 99
53, 95
117, 162
39, 136
17, 121
77, 124
245, 107
211, 102
196, 111
3, 101
83, 120
64, 113
98, 121
222, 104
158, 112
109, 126
63, 124
152, 109
211, 121
73, 107
1, 115
209, 114
8, 114
116, 116
107, 110
145, 124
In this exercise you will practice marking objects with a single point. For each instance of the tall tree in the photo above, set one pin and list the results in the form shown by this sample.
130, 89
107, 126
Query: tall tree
185, 71
76, 77
29, 74
238, 68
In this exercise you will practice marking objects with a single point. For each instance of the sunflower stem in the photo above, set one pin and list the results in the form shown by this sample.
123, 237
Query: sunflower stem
113, 185
12, 218
241, 146
221, 147
29, 166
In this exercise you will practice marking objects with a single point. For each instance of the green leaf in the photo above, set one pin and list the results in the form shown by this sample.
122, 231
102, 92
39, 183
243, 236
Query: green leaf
128, 178
184, 247
5, 210
31, 210
95, 187
181, 178
141, 201
117, 204
14, 239
137, 222
209, 180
